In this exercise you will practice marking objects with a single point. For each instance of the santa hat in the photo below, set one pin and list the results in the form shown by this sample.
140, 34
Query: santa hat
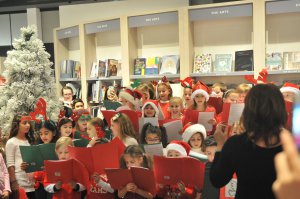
289, 87
180, 146
190, 129
201, 88
187, 82
131, 95
152, 103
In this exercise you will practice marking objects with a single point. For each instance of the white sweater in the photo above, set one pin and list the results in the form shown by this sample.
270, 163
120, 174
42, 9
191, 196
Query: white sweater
13, 158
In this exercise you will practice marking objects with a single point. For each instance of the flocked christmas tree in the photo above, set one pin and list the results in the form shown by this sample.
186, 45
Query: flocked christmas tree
28, 75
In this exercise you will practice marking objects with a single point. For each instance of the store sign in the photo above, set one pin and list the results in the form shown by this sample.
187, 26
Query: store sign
102, 26
68, 32
276, 7
221, 12
153, 19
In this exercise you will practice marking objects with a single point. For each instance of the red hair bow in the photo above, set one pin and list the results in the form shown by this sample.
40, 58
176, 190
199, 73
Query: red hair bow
40, 109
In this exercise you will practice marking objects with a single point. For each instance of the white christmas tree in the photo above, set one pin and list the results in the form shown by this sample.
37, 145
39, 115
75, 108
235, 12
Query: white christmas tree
28, 75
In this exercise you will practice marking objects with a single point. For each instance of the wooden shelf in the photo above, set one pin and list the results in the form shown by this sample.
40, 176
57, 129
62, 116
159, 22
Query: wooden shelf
111, 78
216, 74
70, 80
284, 72
169, 76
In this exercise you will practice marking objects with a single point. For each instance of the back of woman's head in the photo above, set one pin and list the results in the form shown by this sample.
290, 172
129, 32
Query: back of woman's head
264, 114
134, 151
15, 127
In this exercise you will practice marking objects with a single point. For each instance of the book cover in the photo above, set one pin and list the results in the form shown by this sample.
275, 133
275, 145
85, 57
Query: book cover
173, 129
35, 155
111, 105
96, 158
202, 63
152, 66
244, 60
291, 60
94, 70
76, 70
66, 69
153, 149
119, 68
274, 61
142, 177
223, 63
188, 170
139, 66
101, 68
112, 67
232, 112
169, 64
65, 170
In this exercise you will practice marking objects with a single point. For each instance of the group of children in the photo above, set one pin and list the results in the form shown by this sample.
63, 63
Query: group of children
81, 125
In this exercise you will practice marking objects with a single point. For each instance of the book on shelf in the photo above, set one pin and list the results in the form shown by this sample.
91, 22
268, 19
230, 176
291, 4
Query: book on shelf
244, 60
152, 65
77, 70
65, 170
143, 177
169, 64
274, 61
119, 68
66, 69
101, 68
35, 155
187, 169
139, 66
291, 60
112, 67
202, 63
94, 70
223, 63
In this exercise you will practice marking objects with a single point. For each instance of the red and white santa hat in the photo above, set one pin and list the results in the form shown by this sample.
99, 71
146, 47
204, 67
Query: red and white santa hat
201, 88
131, 95
190, 129
180, 146
154, 104
289, 87
187, 82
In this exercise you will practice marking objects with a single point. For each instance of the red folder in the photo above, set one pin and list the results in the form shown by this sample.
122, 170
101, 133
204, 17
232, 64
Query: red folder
216, 102
229, 110
142, 177
133, 116
189, 170
65, 170
97, 158
289, 110
190, 116
120, 146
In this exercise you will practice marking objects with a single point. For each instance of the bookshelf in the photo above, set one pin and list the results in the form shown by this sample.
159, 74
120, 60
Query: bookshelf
154, 34
221, 28
66, 46
102, 41
282, 34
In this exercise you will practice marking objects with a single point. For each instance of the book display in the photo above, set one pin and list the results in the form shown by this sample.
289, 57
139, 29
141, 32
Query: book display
219, 42
282, 37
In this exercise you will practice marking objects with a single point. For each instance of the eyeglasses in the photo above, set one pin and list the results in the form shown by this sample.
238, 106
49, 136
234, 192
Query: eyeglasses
82, 118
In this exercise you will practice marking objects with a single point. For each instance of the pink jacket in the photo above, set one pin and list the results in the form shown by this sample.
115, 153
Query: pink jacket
4, 177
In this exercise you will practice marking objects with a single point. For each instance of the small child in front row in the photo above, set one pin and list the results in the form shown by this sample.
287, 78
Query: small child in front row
4, 180
72, 190
194, 135
176, 108
178, 149
133, 157
153, 134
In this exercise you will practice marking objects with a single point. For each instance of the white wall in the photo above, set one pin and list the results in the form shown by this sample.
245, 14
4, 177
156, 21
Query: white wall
50, 20
75, 14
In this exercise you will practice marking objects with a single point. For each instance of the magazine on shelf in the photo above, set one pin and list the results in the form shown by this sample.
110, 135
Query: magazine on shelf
244, 60
291, 60
112, 67
139, 66
169, 64
202, 63
274, 61
223, 63
152, 65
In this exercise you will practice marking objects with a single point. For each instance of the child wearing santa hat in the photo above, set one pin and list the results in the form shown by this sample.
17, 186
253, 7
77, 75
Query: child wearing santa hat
150, 109
130, 99
187, 84
289, 91
194, 135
